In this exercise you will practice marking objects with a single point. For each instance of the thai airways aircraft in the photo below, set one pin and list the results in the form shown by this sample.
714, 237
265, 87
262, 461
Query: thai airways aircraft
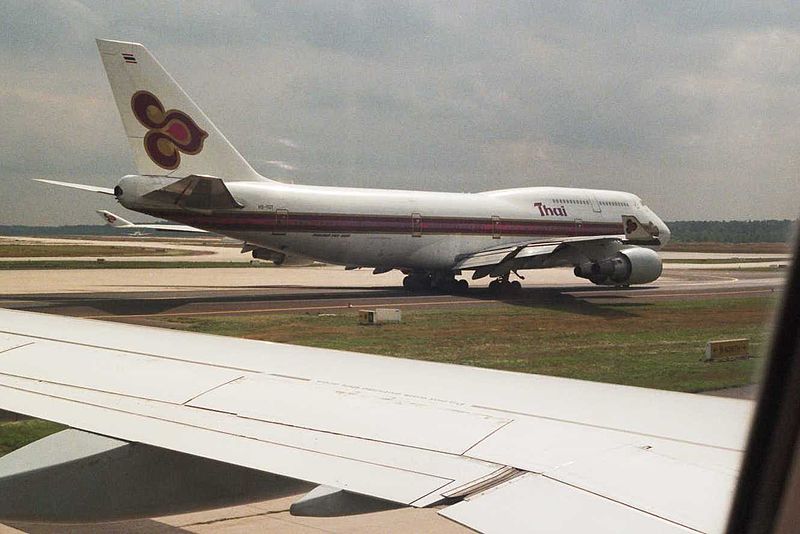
189, 173
116, 221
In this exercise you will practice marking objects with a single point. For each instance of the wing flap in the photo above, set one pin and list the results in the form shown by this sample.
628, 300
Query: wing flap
621, 466
534, 503
395, 473
690, 492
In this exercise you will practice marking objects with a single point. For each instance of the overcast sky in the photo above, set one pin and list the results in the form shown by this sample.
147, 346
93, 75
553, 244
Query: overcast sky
695, 107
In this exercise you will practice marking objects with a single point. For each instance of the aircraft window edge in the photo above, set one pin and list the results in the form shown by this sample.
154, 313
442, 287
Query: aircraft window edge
767, 474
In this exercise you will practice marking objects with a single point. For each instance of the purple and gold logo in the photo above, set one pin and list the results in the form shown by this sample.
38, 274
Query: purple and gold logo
169, 132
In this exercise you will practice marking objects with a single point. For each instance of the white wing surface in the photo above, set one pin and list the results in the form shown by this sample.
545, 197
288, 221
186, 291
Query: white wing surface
555, 253
515, 451
83, 187
118, 222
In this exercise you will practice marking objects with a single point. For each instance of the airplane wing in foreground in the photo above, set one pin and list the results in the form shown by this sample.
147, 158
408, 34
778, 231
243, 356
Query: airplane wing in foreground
502, 451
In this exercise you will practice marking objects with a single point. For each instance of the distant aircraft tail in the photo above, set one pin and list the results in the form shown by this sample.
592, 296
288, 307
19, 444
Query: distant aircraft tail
168, 133
114, 220
635, 230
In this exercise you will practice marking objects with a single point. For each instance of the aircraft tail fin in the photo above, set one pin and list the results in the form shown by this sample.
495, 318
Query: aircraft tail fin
168, 133
114, 220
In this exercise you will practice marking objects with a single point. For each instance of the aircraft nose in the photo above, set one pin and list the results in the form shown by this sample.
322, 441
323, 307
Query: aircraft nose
664, 232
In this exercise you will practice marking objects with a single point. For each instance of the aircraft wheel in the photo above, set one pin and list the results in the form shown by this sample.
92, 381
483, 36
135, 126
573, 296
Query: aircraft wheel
495, 286
417, 282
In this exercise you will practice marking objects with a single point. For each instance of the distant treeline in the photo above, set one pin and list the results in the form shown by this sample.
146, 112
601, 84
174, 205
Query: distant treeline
770, 231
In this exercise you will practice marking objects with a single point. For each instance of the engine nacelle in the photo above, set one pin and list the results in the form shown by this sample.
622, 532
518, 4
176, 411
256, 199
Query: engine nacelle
634, 265
280, 258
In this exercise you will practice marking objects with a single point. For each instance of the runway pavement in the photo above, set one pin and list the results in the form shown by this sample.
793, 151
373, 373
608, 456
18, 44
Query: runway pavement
127, 293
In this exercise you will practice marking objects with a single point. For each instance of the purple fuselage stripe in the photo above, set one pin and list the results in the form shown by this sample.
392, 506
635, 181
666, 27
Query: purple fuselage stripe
385, 224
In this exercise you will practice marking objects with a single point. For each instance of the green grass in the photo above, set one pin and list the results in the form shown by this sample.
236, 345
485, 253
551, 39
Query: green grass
658, 345
16, 434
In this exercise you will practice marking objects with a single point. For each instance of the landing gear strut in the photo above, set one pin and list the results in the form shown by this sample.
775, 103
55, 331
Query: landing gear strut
417, 282
446, 281
442, 281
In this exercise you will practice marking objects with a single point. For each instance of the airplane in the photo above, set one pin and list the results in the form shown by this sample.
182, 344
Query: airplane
123, 224
189, 173
168, 422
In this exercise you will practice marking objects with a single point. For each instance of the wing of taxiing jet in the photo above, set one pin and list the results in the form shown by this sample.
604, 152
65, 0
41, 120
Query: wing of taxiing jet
506, 452
551, 253
118, 222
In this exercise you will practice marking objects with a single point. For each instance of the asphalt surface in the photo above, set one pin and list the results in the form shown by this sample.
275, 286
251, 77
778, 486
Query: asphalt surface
308, 299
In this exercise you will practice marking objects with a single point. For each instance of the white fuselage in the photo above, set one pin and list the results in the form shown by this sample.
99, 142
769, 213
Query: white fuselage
416, 230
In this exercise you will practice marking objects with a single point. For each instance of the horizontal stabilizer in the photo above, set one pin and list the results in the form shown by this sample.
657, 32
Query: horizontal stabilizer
92, 188
196, 193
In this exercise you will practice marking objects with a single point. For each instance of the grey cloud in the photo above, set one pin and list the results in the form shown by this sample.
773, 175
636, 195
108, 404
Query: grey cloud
692, 106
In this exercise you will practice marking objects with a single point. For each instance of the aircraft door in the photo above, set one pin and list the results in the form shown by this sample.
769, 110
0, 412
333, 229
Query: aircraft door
416, 225
496, 227
595, 204
281, 222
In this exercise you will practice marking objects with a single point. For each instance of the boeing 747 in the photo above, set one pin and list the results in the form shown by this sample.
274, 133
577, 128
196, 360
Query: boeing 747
190, 174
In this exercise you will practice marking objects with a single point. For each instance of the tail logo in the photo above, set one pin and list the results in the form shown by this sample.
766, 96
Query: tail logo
169, 132
110, 218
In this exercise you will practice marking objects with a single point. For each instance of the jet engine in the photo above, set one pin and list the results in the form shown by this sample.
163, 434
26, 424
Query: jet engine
628, 266
281, 258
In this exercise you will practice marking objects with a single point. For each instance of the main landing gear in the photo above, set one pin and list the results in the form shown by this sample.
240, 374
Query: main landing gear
502, 286
442, 281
